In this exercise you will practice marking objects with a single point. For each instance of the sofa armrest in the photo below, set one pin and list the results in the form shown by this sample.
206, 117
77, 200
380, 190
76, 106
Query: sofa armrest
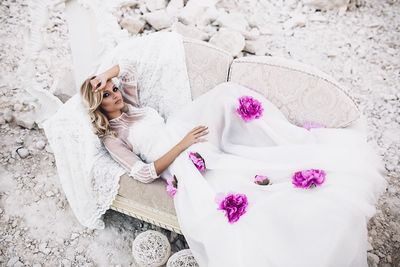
301, 92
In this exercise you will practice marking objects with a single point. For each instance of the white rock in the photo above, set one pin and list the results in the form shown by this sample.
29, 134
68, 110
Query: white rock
25, 120
235, 21
174, 6
8, 115
298, 20
36, 265
66, 263
154, 5
17, 107
18, 264
49, 194
327, 4
23, 152
191, 12
133, 25
231, 41
253, 34
2, 121
74, 236
40, 144
255, 47
12, 261
373, 259
208, 16
189, 31
158, 19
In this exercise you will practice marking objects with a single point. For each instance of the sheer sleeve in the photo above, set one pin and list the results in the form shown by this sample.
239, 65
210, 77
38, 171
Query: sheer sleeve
134, 166
128, 82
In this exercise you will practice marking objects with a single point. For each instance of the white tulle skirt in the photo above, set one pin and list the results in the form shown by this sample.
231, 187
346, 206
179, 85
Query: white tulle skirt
283, 226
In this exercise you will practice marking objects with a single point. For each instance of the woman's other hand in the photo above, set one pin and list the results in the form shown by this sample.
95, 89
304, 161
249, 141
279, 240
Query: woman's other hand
193, 137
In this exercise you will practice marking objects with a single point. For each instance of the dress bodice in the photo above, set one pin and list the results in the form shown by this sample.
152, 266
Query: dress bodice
148, 135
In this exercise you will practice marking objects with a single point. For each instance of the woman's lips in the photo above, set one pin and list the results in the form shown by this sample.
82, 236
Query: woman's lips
118, 101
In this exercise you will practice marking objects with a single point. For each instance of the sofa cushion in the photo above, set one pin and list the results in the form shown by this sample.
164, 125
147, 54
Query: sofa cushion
152, 195
301, 92
207, 65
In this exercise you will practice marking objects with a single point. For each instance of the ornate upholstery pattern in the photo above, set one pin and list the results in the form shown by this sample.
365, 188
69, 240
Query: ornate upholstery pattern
207, 65
302, 93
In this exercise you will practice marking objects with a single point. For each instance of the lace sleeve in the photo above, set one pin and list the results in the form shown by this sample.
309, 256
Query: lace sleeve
128, 82
134, 166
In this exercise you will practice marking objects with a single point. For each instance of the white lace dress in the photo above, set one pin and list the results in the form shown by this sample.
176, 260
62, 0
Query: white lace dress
284, 225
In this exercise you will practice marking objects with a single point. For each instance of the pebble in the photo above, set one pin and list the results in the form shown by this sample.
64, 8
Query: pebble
22, 152
40, 144
12, 261
49, 193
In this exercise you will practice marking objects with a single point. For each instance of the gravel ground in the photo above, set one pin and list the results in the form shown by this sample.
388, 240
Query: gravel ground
359, 47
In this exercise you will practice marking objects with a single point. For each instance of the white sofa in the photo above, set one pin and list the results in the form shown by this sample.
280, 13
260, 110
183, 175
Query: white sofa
301, 92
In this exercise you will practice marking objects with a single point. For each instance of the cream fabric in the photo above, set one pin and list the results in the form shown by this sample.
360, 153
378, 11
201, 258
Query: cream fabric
301, 92
207, 65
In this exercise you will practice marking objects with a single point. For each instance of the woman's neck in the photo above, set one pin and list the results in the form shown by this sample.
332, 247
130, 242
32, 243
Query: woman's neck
113, 115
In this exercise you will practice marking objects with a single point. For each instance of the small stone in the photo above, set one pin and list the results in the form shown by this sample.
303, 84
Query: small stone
231, 41
40, 144
153, 5
12, 261
25, 120
74, 236
133, 25
17, 107
66, 263
373, 259
8, 115
189, 31
235, 21
159, 19
2, 121
49, 194
23, 152
18, 264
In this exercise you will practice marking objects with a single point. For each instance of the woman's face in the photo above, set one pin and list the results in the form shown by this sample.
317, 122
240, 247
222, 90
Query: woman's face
112, 98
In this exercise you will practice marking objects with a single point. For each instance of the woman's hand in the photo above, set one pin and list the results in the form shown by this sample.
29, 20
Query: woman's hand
99, 82
193, 137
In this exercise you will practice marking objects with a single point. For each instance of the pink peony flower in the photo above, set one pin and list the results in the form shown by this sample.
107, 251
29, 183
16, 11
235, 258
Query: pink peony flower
309, 125
249, 108
198, 161
234, 205
261, 180
308, 178
172, 184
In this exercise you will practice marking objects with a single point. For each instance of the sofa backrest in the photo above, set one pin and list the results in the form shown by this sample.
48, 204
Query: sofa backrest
207, 65
301, 92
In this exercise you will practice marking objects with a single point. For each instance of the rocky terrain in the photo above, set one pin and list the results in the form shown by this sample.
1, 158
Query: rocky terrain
357, 42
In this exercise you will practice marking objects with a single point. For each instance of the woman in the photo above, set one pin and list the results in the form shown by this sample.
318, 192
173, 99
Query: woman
259, 191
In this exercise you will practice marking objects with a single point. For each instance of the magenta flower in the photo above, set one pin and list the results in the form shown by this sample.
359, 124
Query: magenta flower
261, 180
198, 161
172, 184
234, 205
309, 125
308, 178
249, 108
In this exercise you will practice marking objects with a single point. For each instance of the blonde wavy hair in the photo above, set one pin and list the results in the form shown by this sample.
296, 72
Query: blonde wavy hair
93, 100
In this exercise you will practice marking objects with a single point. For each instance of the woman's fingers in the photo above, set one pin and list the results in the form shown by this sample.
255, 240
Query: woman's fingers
199, 129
